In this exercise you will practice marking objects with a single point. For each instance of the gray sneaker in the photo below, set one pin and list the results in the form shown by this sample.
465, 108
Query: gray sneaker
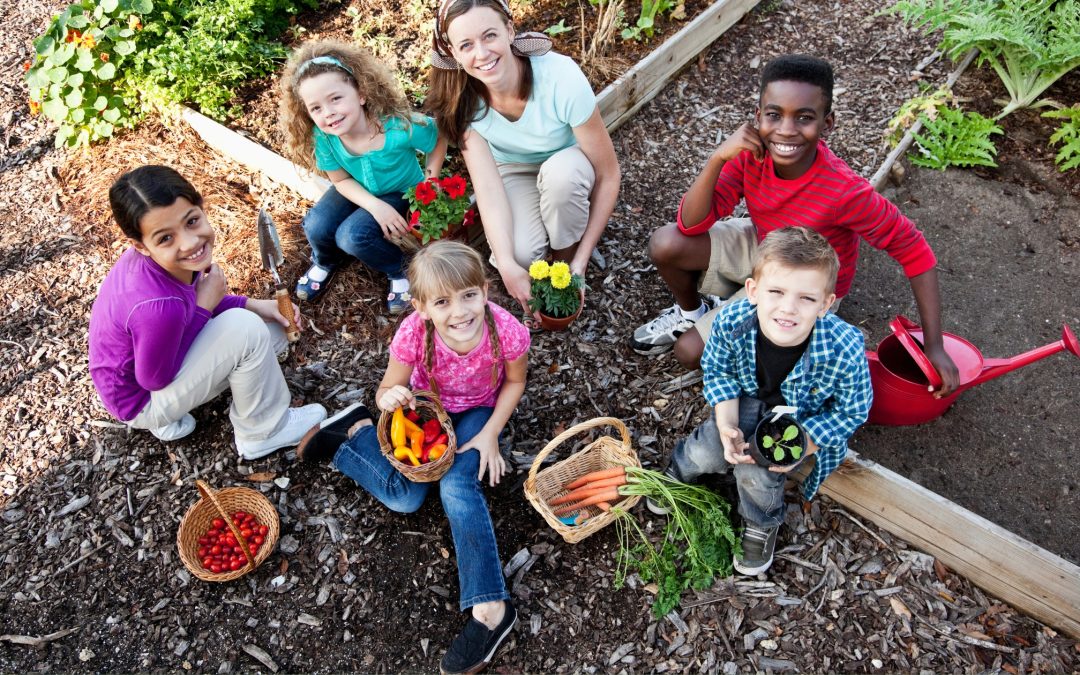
660, 334
758, 544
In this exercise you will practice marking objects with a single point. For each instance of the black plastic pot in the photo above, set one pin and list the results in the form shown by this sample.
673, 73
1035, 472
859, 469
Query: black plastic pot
766, 457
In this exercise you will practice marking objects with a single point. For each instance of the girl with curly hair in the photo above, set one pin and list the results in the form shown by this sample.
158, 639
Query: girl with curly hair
343, 113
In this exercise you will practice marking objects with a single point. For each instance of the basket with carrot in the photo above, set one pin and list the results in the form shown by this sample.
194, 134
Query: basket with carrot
419, 443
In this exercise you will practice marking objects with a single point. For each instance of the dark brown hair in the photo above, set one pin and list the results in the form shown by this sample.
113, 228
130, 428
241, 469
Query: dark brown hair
454, 97
138, 191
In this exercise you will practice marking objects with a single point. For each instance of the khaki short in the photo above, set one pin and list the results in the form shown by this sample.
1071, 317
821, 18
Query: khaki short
733, 243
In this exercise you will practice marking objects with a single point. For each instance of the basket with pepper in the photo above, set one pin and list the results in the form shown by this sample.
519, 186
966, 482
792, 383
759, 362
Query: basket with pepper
419, 443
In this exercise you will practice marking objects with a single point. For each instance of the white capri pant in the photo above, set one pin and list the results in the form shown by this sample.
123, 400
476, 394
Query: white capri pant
235, 350
549, 202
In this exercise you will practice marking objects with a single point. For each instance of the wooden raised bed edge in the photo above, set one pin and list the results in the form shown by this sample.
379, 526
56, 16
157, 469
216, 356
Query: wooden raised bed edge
1030, 578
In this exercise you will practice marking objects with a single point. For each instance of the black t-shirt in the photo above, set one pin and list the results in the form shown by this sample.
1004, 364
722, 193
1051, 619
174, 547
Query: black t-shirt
774, 364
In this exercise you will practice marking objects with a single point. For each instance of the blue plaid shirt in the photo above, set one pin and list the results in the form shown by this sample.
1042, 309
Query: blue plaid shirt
829, 385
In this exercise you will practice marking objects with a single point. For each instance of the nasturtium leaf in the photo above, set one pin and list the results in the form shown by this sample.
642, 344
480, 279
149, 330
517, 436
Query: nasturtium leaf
63, 133
83, 138
58, 75
62, 54
55, 110
109, 5
78, 21
74, 98
796, 451
45, 45
37, 78
106, 72
124, 47
125, 33
77, 116
100, 103
85, 60
142, 6
75, 80
111, 115
103, 129
767, 442
778, 454
791, 432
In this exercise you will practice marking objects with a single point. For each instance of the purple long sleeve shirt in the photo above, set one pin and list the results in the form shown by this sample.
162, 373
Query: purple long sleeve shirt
141, 327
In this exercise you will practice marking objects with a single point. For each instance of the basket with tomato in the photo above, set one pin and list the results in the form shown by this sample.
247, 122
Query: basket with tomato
227, 533
419, 442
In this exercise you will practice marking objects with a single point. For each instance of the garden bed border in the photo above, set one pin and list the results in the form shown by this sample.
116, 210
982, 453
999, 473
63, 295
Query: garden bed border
1032, 579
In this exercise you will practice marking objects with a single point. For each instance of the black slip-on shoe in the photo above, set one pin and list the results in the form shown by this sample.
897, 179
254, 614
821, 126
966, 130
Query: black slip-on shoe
322, 440
473, 650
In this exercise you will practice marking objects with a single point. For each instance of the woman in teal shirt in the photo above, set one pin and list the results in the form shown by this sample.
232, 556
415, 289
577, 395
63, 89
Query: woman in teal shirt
540, 158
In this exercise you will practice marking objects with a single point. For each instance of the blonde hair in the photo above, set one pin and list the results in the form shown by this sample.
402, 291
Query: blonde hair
445, 267
383, 97
798, 248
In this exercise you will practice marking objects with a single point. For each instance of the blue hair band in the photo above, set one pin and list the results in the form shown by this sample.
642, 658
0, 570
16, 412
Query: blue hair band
326, 60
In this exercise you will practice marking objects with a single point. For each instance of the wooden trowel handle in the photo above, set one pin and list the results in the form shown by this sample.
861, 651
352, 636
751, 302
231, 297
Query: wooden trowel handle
284, 304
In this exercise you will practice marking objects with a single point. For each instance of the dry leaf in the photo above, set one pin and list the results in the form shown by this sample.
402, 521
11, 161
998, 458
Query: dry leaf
262, 476
284, 566
899, 607
553, 368
940, 570
343, 563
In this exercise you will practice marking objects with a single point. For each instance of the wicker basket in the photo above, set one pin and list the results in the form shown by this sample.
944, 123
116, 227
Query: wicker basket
603, 453
221, 504
428, 406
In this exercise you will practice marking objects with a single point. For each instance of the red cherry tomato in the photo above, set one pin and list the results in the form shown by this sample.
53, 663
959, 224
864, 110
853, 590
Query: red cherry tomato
215, 568
258, 539
207, 562
217, 523
264, 530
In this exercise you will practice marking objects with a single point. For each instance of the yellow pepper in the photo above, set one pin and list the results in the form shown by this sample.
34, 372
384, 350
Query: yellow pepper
403, 453
397, 429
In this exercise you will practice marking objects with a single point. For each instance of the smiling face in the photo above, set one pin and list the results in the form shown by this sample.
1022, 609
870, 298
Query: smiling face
791, 120
480, 41
177, 237
458, 316
334, 104
789, 300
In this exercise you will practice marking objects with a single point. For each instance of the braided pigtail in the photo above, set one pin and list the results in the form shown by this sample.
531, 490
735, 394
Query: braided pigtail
429, 354
496, 348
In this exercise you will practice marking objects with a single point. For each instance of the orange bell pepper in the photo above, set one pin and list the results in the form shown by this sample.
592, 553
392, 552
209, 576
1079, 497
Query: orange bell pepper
416, 441
403, 454
436, 451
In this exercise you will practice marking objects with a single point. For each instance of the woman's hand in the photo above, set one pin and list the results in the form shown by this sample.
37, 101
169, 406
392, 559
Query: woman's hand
491, 460
210, 288
518, 284
268, 311
397, 396
388, 218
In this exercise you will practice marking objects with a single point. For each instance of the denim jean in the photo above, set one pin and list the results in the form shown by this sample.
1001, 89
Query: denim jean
336, 227
761, 492
479, 572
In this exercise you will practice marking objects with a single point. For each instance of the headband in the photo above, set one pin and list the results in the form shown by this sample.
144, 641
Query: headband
523, 44
323, 60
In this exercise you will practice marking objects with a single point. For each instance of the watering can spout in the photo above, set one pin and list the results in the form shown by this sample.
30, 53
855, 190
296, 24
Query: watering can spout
994, 367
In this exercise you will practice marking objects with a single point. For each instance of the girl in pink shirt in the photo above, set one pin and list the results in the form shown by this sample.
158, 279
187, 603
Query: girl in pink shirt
473, 353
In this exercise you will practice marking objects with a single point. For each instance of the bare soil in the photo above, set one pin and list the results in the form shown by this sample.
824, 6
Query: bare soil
89, 511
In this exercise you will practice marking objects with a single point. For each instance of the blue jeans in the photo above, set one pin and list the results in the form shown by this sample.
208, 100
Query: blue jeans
761, 492
336, 227
480, 574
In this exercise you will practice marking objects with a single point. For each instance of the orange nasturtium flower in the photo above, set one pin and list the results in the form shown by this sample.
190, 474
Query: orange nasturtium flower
26, 66
88, 41
35, 107
105, 57
134, 23
73, 36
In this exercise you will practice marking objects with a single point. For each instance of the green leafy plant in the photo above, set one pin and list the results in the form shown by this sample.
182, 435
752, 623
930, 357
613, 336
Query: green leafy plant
558, 29
555, 291
646, 22
436, 205
913, 108
1030, 44
955, 138
781, 445
696, 546
1068, 136
73, 77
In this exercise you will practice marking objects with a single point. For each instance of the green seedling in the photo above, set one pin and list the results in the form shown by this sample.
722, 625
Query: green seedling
781, 445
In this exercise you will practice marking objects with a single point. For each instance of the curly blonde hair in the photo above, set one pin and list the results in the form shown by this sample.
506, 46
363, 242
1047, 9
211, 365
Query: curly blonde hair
375, 82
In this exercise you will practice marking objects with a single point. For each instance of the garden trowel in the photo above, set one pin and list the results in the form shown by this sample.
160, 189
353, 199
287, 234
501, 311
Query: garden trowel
272, 257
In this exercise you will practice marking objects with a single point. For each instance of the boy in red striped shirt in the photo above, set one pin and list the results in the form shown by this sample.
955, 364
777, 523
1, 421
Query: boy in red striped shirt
788, 177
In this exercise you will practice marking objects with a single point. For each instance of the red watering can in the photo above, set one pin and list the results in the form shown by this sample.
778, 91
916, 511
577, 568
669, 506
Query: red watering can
904, 379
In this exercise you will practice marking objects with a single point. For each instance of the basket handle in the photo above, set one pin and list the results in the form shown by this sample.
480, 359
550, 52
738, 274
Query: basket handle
575, 430
208, 493
431, 396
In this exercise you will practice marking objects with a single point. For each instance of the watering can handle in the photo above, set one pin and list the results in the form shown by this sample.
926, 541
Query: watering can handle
900, 326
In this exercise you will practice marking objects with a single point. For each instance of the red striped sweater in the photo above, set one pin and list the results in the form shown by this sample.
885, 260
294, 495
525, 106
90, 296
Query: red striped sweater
829, 198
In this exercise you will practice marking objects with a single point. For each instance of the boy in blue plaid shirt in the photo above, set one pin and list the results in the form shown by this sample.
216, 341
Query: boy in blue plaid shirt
778, 346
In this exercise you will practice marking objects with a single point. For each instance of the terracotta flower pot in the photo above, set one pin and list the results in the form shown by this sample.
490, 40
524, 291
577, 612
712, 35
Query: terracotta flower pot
557, 323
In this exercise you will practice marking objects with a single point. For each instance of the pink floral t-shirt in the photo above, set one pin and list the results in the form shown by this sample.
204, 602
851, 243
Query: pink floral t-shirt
464, 379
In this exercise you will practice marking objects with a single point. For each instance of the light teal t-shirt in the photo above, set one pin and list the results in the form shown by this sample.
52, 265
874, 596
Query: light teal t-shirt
561, 99
394, 168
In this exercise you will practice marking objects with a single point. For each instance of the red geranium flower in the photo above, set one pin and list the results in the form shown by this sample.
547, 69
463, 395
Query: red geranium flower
470, 218
454, 186
414, 219
425, 193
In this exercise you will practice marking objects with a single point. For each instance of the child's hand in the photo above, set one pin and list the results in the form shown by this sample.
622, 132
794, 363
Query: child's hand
388, 219
734, 445
210, 288
268, 311
397, 396
491, 459
745, 138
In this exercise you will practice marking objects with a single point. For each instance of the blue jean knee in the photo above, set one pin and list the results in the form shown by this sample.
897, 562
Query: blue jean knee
336, 227
361, 459
761, 492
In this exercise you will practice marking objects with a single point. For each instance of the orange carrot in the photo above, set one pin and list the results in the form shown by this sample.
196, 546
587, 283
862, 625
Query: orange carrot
604, 506
607, 495
589, 490
597, 475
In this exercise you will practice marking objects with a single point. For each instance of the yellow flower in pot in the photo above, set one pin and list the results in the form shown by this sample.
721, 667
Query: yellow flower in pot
557, 294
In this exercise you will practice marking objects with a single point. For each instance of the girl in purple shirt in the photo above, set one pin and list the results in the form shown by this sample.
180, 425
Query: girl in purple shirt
164, 336
474, 354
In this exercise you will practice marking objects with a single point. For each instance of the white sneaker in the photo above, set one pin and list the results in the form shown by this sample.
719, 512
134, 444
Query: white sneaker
297, 423
175, 430
660, 334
